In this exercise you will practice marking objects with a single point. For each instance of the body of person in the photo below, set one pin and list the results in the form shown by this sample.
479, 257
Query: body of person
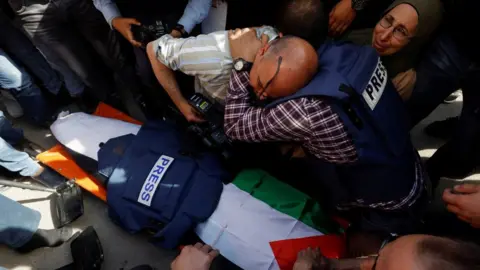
207, 57
451, 63
177, 17
19, 228
18, 82
19, 224
353, 14
49, 24
399, 37
415, 252
336, 133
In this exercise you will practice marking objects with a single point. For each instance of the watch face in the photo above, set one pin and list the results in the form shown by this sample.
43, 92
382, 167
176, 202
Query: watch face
238, 65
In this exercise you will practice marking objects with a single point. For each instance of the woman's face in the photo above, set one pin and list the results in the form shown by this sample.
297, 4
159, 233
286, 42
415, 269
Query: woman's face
395, 29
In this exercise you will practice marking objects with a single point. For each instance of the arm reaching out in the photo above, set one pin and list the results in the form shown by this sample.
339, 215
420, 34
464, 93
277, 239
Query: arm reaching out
166, 78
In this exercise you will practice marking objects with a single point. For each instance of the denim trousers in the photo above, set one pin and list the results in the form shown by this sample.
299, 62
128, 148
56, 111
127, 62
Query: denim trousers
15, 78
73, 31
22, 51
17, 223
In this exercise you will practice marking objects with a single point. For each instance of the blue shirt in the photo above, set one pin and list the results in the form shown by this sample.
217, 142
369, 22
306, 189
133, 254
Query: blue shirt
195, 12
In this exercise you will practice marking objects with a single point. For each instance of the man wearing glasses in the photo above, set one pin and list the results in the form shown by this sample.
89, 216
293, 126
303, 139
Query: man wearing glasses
413, 252
349, 117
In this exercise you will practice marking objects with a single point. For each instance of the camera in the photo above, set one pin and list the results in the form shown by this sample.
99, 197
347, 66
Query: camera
149, 32
211, 131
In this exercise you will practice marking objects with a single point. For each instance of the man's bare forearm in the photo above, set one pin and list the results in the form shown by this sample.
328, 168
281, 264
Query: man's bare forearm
166, 77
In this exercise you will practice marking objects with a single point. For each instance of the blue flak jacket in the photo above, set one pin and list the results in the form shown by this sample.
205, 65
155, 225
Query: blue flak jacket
160, 183
355, 84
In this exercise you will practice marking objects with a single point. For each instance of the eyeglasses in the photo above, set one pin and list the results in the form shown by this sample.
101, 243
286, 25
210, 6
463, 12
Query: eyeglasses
389, 239
280, 59
399, 31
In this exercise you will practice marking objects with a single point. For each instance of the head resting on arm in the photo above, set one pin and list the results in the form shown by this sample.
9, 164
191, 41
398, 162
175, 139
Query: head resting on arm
283, 67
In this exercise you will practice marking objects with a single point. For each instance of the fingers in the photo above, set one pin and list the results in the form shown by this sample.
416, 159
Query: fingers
264, 39
449, 197
464, 218
195, 118
133, 21
467, 188
338, 28
212, 253
132, 40
206, 248
331, 18
129, 33
458, 211
135, 43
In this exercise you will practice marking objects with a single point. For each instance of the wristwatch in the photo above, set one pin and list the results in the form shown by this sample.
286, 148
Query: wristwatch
181, 29
240, 64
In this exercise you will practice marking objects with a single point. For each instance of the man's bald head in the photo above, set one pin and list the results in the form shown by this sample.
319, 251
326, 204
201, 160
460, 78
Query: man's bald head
283, 67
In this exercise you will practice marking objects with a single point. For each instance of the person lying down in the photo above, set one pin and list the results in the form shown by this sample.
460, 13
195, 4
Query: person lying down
248, 230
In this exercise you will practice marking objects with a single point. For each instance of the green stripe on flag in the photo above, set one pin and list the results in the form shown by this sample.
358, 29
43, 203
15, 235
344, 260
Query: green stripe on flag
285, 199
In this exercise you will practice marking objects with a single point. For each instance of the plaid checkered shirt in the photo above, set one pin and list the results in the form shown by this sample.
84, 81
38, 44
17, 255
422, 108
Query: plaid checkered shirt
306, 120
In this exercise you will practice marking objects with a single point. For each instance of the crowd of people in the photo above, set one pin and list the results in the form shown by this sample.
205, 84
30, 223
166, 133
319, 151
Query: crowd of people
285, 72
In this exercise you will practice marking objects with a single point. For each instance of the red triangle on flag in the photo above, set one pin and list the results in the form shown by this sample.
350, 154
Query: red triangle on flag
285, 251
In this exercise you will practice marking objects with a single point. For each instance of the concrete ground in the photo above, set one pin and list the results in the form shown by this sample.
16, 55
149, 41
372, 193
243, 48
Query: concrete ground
123, 251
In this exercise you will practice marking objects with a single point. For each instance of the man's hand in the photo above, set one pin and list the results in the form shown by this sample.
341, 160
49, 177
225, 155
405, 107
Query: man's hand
190, 113
198, 257
124, 27
340, 18
405, 82
245, 44
465, 204
309, 259
176, 34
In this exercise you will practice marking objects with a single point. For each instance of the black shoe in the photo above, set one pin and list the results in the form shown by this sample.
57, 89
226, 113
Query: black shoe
442, 129
46, 238
50, 178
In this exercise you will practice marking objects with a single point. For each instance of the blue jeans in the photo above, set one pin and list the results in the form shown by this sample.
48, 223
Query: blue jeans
10, 158
21, 50
15, 79
17, 223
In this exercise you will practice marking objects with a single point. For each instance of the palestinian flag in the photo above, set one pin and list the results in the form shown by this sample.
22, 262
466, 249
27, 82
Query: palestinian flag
262, 223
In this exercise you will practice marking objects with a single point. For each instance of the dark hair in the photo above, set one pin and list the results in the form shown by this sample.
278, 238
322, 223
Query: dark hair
306, 19
442, 253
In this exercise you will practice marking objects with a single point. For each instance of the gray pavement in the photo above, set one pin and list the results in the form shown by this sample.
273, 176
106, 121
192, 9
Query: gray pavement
123, 251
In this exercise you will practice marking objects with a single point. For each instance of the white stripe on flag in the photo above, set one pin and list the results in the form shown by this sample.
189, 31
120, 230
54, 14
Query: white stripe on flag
242, 227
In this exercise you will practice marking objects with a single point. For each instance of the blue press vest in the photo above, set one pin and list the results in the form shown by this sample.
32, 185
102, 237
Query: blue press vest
160, 182
355, 84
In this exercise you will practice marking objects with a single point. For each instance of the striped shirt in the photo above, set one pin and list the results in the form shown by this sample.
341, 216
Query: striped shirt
207, 57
